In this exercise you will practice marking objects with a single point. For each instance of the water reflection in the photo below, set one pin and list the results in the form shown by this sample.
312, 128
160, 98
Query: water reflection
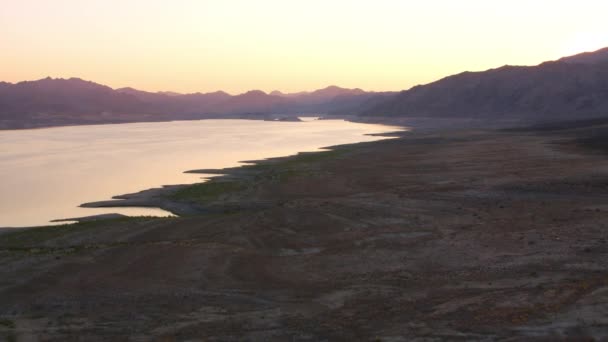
47, 173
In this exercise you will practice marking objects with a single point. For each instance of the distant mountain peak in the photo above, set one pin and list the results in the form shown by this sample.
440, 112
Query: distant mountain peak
593, 57
60, 79
333, 91
255, 92
63, 84
219, 93
126, 89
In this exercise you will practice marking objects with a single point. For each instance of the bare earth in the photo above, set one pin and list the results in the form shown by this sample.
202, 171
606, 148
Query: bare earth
463, 235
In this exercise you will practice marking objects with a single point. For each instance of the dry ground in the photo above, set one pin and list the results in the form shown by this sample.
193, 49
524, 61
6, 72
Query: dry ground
470, 235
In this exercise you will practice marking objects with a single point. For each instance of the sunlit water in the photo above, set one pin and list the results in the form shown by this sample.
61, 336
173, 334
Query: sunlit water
46, 173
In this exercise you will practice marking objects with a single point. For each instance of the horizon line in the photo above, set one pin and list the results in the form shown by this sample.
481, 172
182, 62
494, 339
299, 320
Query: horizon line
292, 92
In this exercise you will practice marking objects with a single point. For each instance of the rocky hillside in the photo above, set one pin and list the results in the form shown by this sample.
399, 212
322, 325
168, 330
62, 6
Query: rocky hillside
572, 87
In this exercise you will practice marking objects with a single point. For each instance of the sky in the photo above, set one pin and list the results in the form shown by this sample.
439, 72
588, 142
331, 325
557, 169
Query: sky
288, 45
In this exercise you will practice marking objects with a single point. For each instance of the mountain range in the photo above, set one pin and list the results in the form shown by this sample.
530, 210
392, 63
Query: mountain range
569, 88
54, 102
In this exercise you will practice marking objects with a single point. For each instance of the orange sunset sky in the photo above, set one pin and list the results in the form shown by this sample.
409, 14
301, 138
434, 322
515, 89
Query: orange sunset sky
200, 45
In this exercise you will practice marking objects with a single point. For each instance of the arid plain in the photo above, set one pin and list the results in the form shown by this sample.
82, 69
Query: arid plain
460, 234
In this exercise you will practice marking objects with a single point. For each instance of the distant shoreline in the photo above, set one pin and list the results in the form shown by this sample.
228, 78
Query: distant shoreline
5, 125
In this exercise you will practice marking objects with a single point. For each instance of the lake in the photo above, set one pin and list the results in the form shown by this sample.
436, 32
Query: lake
46, 174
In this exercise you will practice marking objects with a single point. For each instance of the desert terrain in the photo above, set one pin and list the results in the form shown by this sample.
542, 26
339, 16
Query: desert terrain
469, 234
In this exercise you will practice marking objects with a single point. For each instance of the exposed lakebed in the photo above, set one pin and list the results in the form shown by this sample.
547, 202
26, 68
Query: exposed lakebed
47, 173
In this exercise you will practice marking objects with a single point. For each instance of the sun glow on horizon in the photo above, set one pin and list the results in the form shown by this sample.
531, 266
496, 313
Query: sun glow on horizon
238, 45
585, 42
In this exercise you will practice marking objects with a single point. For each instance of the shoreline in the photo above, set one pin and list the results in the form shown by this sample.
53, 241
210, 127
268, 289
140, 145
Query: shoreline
151, 198
255, 117
161, 197
422, 123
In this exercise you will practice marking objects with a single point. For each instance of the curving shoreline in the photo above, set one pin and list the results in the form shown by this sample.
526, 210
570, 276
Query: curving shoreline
163, 197
125, 159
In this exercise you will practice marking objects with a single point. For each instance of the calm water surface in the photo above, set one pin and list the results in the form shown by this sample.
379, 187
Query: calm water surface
46, 173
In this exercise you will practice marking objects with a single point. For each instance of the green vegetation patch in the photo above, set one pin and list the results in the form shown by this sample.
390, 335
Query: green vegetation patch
250, 175
301, 159
36, 236
7, 323
301, 164
314, 157
30, 237
208, 191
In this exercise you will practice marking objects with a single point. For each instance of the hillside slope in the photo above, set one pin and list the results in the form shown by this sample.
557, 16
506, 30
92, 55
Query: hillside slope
573, 87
